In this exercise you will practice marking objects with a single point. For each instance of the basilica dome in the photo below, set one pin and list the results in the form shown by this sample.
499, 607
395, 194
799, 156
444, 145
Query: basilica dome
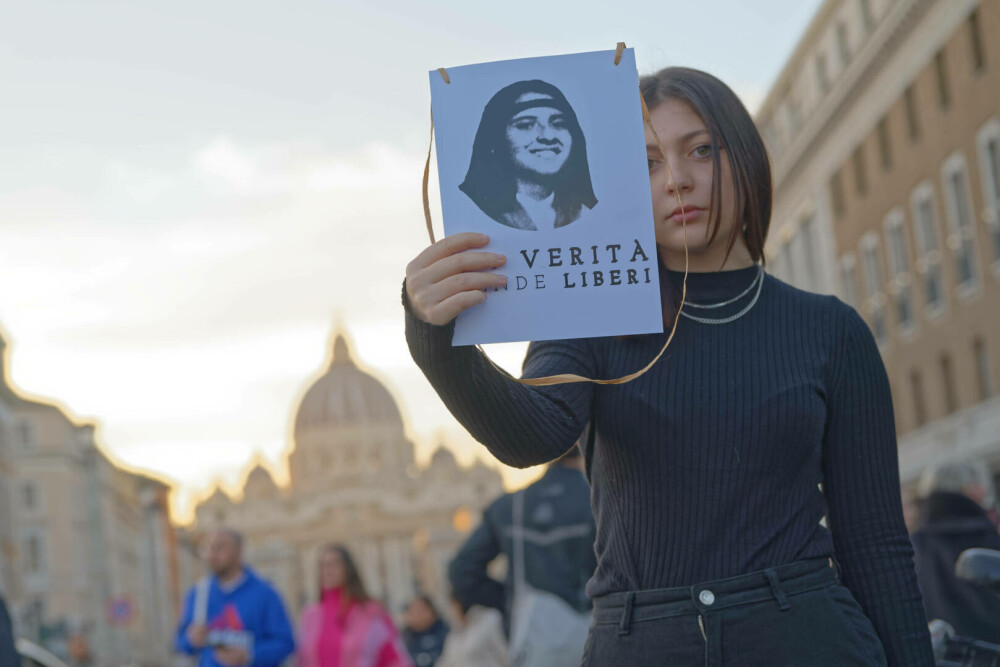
346, 396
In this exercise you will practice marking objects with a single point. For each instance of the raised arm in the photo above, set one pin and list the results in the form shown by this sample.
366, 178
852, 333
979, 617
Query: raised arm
861, 484
522, 426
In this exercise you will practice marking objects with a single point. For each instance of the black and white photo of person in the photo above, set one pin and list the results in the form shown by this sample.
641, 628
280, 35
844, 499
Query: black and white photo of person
529, 159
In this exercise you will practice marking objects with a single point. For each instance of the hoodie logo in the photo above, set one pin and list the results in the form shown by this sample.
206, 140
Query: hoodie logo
227, 629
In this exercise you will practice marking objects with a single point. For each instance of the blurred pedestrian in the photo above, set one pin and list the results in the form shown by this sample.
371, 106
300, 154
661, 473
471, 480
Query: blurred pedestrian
346, 628
233, 618
425, 632
8, 653
954, 496
477, 638
549, 550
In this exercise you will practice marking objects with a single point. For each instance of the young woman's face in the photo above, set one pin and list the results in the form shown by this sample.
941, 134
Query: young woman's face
332, 572
539, 138
686, 140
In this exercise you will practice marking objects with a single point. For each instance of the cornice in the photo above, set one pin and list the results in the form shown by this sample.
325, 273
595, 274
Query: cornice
868, 62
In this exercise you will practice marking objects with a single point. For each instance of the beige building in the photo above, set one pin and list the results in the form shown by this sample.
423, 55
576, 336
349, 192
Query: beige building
353, 480
884, 132
91, 551
9, 532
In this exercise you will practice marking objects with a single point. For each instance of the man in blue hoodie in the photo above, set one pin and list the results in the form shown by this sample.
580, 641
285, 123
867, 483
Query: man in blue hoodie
233, 618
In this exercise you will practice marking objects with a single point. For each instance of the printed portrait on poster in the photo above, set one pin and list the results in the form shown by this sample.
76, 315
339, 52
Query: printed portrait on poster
547, 156
529, 159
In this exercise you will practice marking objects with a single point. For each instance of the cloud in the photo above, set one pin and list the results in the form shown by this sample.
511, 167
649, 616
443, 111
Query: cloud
186, 306
289, 168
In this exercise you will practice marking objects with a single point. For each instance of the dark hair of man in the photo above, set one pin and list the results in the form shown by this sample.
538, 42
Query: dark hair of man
354, 588
234, 535
491, 181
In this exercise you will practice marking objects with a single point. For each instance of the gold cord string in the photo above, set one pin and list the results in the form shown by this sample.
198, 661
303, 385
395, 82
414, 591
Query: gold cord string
567, 378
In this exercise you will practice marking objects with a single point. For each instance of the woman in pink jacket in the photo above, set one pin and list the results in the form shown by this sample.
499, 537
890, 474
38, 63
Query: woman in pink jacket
346, 628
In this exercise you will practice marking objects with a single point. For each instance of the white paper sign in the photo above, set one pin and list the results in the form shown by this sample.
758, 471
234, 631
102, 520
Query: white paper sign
547, 156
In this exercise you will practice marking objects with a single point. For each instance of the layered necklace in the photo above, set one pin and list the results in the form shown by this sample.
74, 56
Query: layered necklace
757, 282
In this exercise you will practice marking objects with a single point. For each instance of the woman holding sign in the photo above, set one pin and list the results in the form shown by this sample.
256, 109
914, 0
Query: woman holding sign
710, 473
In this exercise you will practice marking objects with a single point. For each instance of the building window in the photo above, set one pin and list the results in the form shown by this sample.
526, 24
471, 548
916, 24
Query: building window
822, 76
976, 42
837, 194
772, 136
848, 280
30, 496
867, 18
983, 375
919, 403
788, 262
912, 118
25, 435
843, 44
876, 293
961, 237
948, 383
941, 72
860, 173
884, 145
928, 246
899, 268
810, 263
35, 553
793, 119
988, 141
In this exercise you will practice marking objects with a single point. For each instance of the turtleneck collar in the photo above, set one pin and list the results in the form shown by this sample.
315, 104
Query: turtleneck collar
711, 286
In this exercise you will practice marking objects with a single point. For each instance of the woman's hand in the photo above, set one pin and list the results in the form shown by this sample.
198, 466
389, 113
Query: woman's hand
444, 279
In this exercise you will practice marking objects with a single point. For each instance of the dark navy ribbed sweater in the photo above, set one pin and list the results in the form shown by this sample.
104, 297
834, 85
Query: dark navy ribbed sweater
710, 464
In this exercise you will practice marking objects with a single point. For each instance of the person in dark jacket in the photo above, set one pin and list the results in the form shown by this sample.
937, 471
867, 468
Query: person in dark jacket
952, 519
8, 653
558, 543
425, 632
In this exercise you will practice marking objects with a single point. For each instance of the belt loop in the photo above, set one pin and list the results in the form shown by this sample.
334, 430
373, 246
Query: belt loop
626, 624
779, 595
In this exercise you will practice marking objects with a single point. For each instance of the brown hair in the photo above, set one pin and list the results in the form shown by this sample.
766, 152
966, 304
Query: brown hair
731, 127
354, 588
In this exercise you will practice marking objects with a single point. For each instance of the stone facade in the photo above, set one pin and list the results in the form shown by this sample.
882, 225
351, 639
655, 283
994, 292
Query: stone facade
85, 559
353, 481
884, 131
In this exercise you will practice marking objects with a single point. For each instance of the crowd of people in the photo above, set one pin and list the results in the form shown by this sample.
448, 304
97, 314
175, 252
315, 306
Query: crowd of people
233, 618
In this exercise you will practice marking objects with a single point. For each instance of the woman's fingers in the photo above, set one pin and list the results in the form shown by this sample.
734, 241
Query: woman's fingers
428, 303
447, 277
449, 309
446, 247
453, 265
464, 282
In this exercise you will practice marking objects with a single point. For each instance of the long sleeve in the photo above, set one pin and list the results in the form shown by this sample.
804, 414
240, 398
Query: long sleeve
861, 484
521, 426
276, 641
468, 574
181, 643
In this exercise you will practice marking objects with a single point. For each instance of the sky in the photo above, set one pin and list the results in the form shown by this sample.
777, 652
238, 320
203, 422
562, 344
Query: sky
193, 195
